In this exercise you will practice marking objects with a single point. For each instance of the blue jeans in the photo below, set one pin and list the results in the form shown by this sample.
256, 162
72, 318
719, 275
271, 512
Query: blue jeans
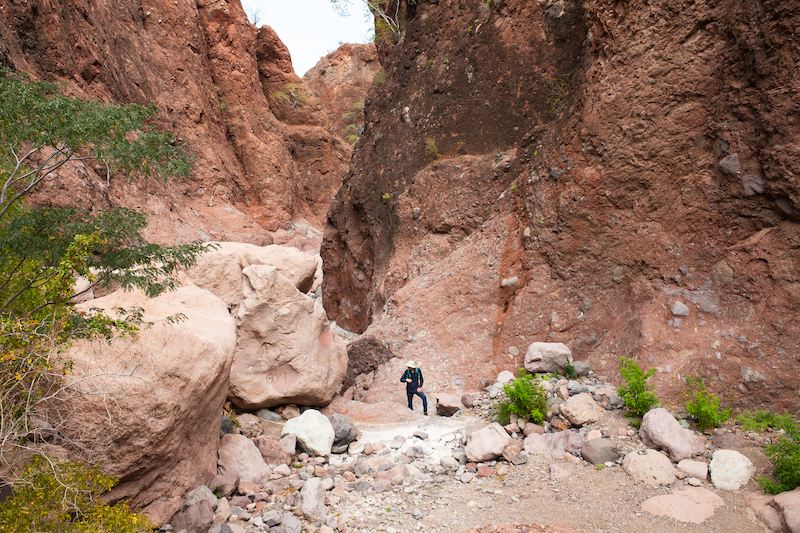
410, 393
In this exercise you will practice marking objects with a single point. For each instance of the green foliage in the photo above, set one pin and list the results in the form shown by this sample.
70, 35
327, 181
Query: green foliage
386, 197
785, 453
432, 149
704, 406
355, 126
637, 393
43, 251
557, 88
761, 420
569, 370
525, 398
379, 78
293, 94
41, 129
63, 498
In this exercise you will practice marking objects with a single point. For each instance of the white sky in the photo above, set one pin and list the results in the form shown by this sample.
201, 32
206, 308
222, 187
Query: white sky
311, 29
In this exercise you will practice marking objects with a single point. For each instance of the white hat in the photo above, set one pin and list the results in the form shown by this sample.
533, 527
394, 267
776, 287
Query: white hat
411, 364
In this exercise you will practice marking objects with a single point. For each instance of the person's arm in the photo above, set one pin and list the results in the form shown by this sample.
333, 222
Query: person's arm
404, 377
421, 379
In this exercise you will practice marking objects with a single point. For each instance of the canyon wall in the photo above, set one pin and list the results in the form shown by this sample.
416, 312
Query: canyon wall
267, 160
568, 171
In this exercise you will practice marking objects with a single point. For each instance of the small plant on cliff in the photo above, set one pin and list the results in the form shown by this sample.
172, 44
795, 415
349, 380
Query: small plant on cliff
355, 123
525, 398
389, 16
64, 498
292, 93
379, 78
557, 88
704, 406
637, 393
432, 149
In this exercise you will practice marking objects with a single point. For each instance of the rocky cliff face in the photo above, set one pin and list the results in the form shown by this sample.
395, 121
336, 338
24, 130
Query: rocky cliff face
265, 152
568, 171
341, 80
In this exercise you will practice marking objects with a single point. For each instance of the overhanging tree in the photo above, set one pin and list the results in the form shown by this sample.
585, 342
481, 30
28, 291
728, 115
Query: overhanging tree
43, 251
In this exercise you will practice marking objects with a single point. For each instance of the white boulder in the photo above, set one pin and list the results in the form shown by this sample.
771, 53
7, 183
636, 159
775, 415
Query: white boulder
313, 430
220, 270
730, 470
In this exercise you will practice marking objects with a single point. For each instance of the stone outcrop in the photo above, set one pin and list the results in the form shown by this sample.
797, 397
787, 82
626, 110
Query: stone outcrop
286, 351
140, 397
563, 173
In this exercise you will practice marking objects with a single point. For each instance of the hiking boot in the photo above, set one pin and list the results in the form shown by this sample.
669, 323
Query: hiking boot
425, 413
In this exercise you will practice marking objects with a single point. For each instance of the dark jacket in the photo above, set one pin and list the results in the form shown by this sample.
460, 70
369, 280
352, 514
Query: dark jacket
416, 379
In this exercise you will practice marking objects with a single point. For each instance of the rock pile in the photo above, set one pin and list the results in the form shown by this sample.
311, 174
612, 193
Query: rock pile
324, 492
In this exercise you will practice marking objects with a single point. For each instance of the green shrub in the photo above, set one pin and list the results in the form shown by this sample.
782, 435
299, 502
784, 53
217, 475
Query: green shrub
637, 393
704, 405
785, 453
569, 369
63, 498
525, 398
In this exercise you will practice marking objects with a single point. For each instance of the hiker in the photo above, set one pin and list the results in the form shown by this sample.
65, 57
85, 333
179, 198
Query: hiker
412, 377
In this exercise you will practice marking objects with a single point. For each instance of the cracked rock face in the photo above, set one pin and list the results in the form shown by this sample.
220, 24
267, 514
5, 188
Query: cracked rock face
600, 176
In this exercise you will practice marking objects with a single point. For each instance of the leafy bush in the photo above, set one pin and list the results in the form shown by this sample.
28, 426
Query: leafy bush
63, 498
637, 393
704, 405
569, 368
525, 398
785, 453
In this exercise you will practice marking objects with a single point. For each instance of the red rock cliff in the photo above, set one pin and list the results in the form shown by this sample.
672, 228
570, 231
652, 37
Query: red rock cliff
265, 152
564, 171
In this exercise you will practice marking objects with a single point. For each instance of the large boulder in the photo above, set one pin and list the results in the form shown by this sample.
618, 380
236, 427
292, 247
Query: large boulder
239, 454
661, 431
136, 399
650, 468
220, 270
487, 443
313, 430
730, 470
547, 357
581, 409
286, 352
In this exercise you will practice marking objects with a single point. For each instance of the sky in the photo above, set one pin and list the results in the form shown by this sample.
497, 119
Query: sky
311, 29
